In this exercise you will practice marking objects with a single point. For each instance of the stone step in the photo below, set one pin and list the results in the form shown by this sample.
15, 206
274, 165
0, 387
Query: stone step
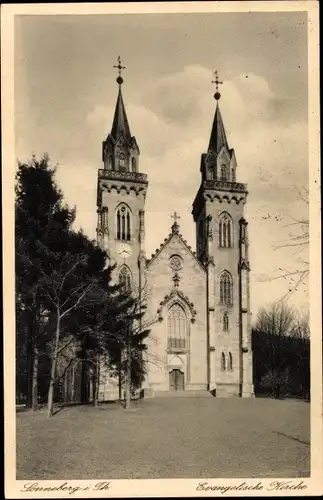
182, 394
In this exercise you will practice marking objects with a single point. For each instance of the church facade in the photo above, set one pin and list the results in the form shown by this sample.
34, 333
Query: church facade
198, 301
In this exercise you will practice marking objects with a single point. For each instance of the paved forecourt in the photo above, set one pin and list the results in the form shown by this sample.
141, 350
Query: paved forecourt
167, 438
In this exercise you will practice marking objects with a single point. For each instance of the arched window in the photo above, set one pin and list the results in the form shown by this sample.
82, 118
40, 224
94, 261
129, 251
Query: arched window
233, 175
225, 231
223, 367
122, 162
224, 173
226, 288
125, 279
225, 321
230, 366
133, 165
123, 223
177, 325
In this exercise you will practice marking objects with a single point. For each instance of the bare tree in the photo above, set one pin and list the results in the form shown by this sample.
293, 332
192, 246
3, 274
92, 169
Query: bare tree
301, 327
298, 241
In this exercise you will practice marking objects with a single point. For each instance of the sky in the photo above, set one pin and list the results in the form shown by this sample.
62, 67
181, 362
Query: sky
65, 94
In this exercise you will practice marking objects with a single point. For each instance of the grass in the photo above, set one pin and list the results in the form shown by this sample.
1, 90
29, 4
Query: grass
167, 438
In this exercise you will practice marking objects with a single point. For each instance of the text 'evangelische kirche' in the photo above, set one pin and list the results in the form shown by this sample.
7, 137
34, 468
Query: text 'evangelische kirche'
199, 302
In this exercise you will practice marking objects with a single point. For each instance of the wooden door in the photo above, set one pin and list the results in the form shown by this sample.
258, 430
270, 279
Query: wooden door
176, 380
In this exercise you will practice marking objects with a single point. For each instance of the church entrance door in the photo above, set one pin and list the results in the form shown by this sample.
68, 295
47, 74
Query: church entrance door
176, 380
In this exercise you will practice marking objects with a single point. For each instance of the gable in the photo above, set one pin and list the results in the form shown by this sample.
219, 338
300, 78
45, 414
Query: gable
176, 254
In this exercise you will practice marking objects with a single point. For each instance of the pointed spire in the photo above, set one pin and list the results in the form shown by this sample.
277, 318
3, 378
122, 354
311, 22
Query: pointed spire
120, 121
218, 137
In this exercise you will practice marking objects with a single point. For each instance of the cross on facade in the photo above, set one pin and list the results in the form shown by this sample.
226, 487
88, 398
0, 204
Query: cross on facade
175, 216
119, 67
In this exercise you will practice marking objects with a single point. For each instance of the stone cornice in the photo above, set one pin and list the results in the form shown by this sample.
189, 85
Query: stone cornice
220, 190
113, 175
233, 187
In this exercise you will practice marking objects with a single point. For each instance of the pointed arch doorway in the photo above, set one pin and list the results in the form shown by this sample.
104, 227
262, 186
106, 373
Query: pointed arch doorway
176, 380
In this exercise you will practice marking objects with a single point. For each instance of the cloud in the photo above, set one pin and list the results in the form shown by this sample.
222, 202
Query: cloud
172, 119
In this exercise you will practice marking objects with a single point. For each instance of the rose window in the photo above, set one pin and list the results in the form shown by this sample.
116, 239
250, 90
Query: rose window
176, 263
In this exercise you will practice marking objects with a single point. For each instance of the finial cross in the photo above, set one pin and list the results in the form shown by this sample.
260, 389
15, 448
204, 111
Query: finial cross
119, 66
216, 81
175, 216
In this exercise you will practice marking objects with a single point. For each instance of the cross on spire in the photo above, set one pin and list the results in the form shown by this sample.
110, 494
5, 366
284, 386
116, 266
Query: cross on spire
217, 82
119, 67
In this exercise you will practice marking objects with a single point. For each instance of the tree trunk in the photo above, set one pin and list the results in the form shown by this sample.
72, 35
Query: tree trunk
84, 378
128, 375
120, 382
96, 380
120, 375
29, 398
35, 376
50, 402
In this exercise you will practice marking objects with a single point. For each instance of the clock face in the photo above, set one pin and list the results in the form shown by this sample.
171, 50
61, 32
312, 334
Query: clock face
124, 250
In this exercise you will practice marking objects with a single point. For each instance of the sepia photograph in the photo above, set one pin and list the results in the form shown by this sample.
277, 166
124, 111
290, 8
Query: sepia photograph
161, 194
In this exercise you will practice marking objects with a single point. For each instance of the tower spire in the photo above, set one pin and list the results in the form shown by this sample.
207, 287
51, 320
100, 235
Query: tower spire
120, 123
218, 137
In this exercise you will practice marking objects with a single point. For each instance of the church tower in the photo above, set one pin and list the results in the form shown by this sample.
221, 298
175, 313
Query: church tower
121, 197
222, 248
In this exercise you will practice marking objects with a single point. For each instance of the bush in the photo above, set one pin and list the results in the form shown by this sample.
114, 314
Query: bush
277, 383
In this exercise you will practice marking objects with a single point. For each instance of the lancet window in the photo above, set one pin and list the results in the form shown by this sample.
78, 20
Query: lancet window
177, 327
225, 321
226, 288
230, 365
223, 365
225, 231
125, 279
123, 223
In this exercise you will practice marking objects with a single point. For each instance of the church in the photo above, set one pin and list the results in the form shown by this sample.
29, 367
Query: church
198, 301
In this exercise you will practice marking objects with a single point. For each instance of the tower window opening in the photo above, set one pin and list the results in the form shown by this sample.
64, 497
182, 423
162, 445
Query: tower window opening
225, 231
233, 175
224, 173
125, 280
223, 365
123, 222
133, 165
225, 322
226, 288
109, 162
122, 162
